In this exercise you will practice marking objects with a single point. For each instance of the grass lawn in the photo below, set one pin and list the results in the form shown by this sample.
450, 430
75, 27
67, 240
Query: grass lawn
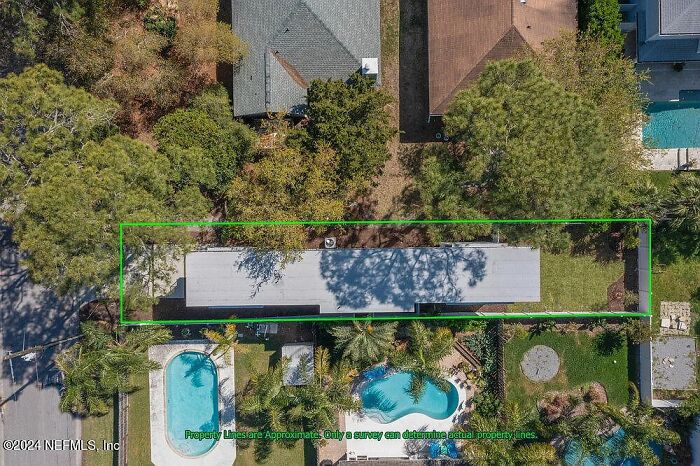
580, 364
99, 429
573, 283
389, 11
139, 435
679, 281
259, 356
661, 179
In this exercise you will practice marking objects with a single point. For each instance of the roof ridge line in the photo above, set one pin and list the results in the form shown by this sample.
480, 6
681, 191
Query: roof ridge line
325, 26
481, 59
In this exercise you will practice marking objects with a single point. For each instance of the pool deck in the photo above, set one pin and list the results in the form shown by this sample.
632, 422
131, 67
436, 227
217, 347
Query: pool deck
675, 159
371, 449
665, 84
162, 454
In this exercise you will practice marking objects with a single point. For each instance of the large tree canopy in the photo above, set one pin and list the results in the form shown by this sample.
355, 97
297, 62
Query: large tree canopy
67, 186
592, 69
148, 58
529, 147
286, 183
42, 118
352, 119
526, 146
205, 145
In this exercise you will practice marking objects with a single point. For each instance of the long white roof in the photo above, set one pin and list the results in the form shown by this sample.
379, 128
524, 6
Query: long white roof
364, 280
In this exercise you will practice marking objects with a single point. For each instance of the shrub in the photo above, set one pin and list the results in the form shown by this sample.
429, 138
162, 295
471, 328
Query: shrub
609, 341
639, 331
487, 404
483, 345
157, 21
601, 20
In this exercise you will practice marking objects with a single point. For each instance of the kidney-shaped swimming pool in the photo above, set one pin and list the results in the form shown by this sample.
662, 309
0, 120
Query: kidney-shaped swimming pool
387, 399
191, 383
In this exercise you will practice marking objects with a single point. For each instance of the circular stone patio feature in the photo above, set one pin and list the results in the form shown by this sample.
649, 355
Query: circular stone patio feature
540, 363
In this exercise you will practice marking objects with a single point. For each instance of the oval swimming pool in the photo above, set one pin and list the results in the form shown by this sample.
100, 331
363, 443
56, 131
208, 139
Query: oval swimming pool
387, 399
191, 390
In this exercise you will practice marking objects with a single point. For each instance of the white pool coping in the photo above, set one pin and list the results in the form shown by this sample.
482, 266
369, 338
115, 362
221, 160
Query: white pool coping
162, 453
373, 449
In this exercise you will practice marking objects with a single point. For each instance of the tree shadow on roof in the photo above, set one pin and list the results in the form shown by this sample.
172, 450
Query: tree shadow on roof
401, 277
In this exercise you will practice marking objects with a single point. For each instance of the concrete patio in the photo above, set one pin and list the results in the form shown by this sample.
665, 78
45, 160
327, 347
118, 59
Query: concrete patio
665, 83
674, 365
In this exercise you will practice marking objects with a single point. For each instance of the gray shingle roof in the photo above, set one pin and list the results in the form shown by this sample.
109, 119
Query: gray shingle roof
680, 16
292, 42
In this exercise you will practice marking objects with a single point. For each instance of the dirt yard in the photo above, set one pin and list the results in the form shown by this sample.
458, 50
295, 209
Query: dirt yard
405, 77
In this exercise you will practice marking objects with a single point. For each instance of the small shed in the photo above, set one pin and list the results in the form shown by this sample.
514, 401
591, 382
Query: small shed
301, 363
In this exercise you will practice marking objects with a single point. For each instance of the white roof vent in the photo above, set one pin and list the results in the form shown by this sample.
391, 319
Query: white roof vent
370, 66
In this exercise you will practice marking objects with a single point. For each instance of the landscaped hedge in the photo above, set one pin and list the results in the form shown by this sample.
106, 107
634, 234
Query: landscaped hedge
601, 19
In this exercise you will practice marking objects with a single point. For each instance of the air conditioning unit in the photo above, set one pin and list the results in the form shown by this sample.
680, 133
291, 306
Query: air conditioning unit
330, 242
370, 66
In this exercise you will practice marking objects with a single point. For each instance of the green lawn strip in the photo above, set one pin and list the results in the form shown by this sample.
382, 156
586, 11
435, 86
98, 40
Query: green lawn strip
679, 281
389, 32
99, 428
581, 364
139, 435
259, 357
572, 283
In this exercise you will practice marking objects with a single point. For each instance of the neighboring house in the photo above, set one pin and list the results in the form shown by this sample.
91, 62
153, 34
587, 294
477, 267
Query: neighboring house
667, 30
293, 42
360, 281
464, 35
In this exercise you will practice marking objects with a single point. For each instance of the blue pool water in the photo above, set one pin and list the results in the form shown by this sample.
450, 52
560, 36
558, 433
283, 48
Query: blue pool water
387, 399
191, 401
672, 124
610, 455
374, 373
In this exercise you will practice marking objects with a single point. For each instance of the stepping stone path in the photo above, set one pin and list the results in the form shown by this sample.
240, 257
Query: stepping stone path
540, 363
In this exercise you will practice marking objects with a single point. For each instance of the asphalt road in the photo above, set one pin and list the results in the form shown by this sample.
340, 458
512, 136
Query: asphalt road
31, 315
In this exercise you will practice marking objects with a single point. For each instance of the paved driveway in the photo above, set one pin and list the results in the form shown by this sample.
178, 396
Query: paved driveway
31, 315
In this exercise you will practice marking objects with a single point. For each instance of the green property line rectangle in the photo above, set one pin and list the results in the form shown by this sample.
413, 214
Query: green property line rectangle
514, 315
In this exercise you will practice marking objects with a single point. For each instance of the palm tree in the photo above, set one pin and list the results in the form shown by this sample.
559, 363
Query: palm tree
102, 364
82, 394
683, 203
266, 399
642, 427
225, 340
581, 424
505, 452
422, 357
363, 342
317, 404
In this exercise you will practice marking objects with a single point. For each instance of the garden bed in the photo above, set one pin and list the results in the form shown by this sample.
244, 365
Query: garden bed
582, 363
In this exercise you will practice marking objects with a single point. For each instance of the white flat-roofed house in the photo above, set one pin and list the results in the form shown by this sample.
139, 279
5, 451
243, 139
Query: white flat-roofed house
368, 280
